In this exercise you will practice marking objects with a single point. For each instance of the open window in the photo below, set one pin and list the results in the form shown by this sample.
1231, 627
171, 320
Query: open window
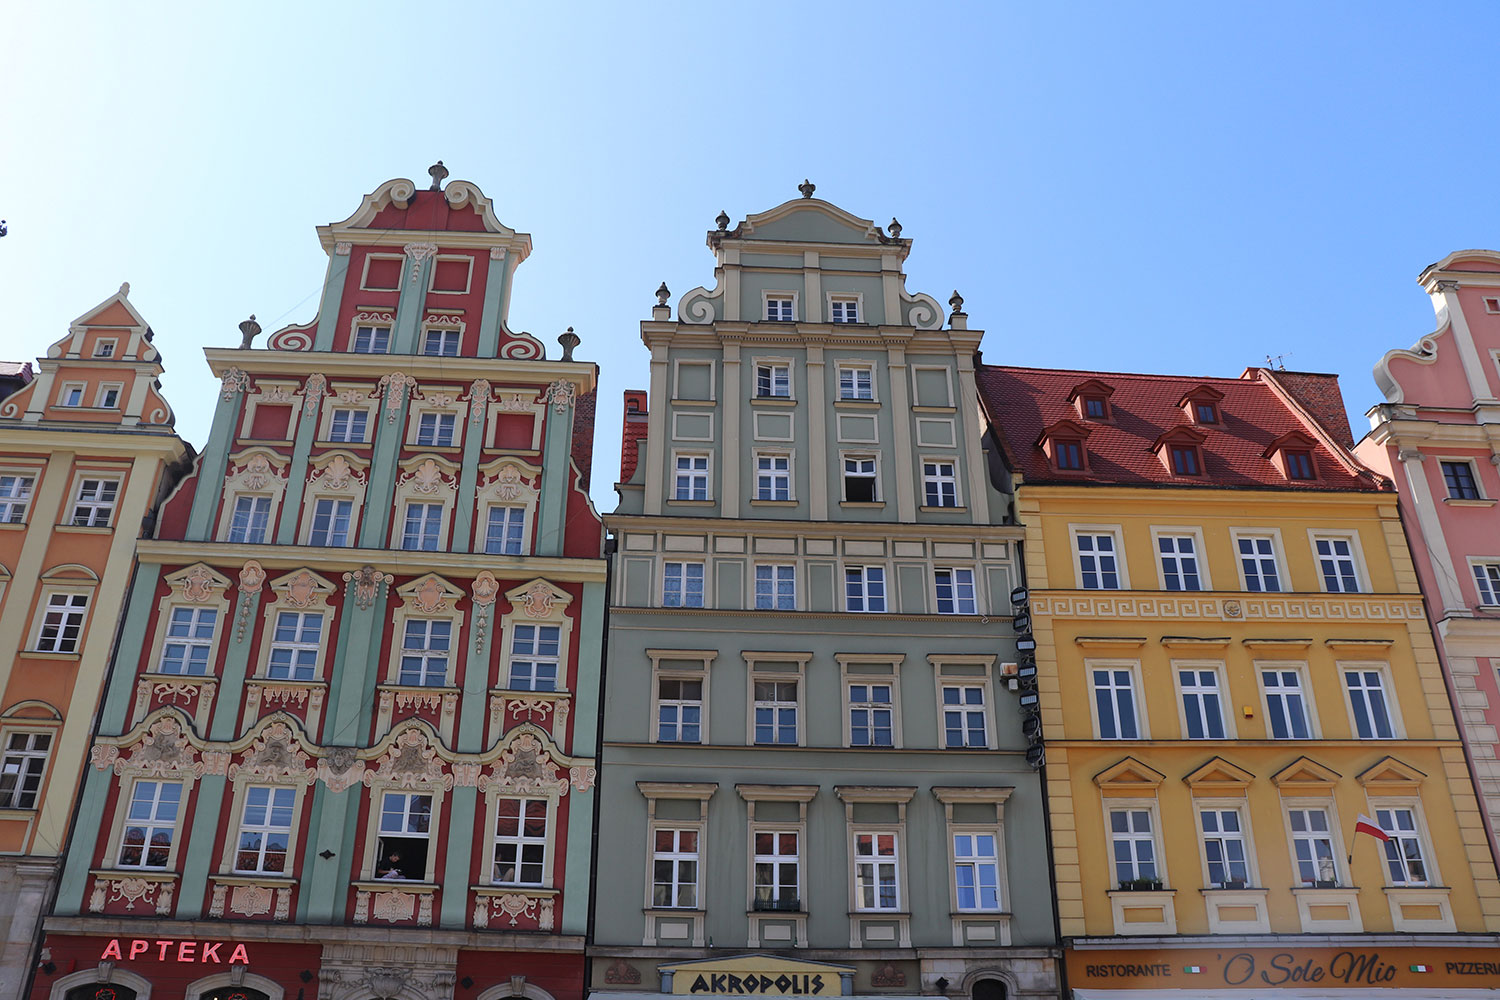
405, 837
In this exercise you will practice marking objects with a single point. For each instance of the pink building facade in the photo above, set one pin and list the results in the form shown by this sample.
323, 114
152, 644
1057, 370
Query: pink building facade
1438, 436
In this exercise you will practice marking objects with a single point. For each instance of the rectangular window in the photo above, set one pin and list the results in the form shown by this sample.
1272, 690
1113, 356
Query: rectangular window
405, 834
1206, 412
682, 585
62, 623
331, 521
964, 717
876, 872
1487, 579
1258, 561
1286, 710
423, 527
773, 477
441, 343
1095, 408
779, 309
1096, 562
150, 824
939, 485
108, 397
777, 870
1403, 852
1299, 465
504, 532
251, 520
372, 340
856, 383
1068, 455
1224, 847
15, 498
294, 646
1114, 701
348, 426
870, 715
71, 395
265, 830
1133, 844
1372, 712
424, 652
775, 712
844, 310
773, 380
1459, 477
674, 869
976, 871
190, 639
1179, 561
859, 480
104, 349
1336, 563
864, 589
520, 842
1185, 460
1202, 708
534, 652
692, 477
1312, 847
776, 587
95, 503
21, 769
679, 710
435, 430
955, 591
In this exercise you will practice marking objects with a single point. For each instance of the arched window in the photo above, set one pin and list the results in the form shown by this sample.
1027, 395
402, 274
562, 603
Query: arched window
233, 993
988, 989
100, 991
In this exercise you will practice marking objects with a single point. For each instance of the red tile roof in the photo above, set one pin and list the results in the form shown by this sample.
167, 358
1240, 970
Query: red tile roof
583, 436
633, 432
1021, 402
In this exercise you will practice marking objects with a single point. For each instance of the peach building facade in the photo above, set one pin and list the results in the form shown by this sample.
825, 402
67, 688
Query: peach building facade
1437, 436
87, 452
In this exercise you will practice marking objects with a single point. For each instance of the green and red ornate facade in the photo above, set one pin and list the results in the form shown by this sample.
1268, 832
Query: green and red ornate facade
347, 747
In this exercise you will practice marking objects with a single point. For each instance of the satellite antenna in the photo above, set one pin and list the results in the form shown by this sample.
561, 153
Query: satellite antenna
1278, 363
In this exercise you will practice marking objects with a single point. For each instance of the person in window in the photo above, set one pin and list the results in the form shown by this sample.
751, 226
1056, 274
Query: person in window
390, 868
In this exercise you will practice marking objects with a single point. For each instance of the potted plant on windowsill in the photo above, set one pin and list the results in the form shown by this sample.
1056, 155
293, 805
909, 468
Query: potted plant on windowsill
1141, 884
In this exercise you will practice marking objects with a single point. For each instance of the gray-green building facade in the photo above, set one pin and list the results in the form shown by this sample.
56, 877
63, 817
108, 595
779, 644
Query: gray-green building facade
813, 777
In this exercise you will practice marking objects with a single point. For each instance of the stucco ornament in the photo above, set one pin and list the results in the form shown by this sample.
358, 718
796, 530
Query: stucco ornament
343, 248
479, 400
275, 755
251, 900
513, 402
338, 474
482, 594
162, 751
198, 585
429, 598
252, 576
525, 767
313, 391
410, 763
257, 472
561, 395
392, 905
364, 583
385, 984
622, 973
278, 394
417, 253
234, 380
302, 590
514, 905
508, 484
538, 601
395, 386
582, 776
340, 769
427, 479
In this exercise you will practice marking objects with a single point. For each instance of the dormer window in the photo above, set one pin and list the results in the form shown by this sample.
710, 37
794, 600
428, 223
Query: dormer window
1201, 404
1063, 443
1292, 453
1180, 450
1091, 399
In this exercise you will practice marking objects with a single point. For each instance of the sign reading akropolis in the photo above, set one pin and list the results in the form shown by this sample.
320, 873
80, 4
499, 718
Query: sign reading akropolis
757, 975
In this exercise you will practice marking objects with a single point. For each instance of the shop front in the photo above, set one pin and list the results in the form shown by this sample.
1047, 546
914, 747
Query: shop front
1327, 970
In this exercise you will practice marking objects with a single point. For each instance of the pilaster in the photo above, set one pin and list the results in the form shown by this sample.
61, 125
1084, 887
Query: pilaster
46, 510
657, 474
491, 319
730, 454
906, 497
557, 465
213, 460
817, 433
333, 293
414, 276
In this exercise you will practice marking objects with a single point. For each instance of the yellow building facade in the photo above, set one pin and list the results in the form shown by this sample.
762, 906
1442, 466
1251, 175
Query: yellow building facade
1234, 667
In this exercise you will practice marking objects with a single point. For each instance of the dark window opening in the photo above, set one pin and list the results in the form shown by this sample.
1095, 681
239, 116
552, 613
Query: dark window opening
1185, 461
1207, 414
100, 991
1460, 479
1299, 465
1095, 408
989, 989
401, 859
1069, 455
234, 993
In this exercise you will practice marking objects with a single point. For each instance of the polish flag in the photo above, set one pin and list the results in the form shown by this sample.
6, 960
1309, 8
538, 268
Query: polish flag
1364, 824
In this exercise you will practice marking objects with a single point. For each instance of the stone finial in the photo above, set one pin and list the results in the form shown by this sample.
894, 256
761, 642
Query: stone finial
249, 330
568, 340
807, 188
895, 228
663, 293
722, 220
956, 301
438, 173
125, 291
4, 229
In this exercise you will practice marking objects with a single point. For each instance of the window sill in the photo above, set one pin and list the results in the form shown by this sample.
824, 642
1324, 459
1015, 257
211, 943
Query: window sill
934, 409
85, 529
37, 654
668, 910
14, 525
407, 885
943, 510
865, 914
1141, 892
857, 404
434, 449
17, 812
776, 913
862, 504
254, 878
1222, 889
498, 888
342, 444
772, 401
691, 503
773, 503
1298, 890
694, 402
980, 914
1456, 502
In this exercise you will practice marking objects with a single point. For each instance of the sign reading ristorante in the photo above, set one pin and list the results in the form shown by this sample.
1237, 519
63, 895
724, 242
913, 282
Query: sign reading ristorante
757, 975
1250, 968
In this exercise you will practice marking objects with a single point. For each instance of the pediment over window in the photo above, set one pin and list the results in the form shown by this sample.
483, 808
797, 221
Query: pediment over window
539, 600
1218, 776
1390, 776
429, 594
302, 588
1130, 775
1304, 772
198, 583
70, 573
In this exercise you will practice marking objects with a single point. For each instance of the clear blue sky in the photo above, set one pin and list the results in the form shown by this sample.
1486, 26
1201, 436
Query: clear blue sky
1161, 187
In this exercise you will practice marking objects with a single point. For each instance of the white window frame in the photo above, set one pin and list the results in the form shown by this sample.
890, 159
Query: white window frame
425, 524
426, 652
777, 861
1356, 558
765, 306
707, 474
1304, 688
104, 347
374, 337
1382, 671
964, 671
521, 840
70, 395
18, 495
873, 457
513, 519
101, 397
683, 578
351, 529
761, 672
1428, 856
870, 669
298, 645
1158, 532
1141, 718
265, 830
1158, 857
1278, 554
859, 859
534, 656
772, 366
865, 597
94, 503
1485, 571
1221, 689
955, 586
847, 299
1473, 477
510, 484
1335, 837
700, 673
774, 455
1240, 807
438, 422
208, 645
20, 763
940, 480
375, 857
976, 861
676, 857
867, 368
265, 534
127, 798
352, 412
1115, 532
775, 570
67, 599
